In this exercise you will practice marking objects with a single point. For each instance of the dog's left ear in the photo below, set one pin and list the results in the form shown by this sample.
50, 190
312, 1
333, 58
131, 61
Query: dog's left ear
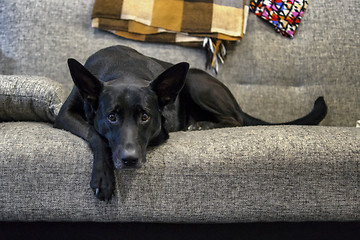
169, 84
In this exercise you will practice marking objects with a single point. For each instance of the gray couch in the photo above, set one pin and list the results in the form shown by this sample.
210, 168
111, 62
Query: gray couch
249, 174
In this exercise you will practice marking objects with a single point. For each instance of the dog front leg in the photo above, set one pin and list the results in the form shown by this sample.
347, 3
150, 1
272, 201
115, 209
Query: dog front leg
102, 178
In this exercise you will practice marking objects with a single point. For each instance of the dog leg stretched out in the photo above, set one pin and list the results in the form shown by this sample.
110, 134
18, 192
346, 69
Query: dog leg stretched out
123, 102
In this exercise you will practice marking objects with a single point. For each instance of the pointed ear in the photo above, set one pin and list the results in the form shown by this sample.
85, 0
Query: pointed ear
88, 85
169, 84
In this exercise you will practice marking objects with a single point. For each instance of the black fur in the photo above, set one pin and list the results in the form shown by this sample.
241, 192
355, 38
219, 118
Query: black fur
123, 102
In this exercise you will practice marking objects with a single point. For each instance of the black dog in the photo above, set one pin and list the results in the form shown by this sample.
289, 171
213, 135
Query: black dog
123, 102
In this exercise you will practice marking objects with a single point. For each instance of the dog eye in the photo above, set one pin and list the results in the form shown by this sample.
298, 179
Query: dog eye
145, 117
112, 117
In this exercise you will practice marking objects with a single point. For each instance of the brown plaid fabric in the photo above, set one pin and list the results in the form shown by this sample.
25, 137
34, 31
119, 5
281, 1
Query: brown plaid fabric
174, 21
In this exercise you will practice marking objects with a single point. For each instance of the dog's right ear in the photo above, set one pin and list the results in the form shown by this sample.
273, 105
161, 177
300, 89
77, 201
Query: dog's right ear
88, 85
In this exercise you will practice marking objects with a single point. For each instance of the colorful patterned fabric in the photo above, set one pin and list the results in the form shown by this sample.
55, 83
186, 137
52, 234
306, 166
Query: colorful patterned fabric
285, 15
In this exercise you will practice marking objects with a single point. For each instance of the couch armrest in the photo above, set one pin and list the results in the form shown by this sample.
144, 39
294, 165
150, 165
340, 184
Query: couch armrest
274, 173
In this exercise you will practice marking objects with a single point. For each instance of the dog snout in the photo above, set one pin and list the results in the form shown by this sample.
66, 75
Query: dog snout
129, 156
130, 161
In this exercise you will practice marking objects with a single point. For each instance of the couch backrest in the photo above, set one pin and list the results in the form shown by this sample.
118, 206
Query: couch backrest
37, 37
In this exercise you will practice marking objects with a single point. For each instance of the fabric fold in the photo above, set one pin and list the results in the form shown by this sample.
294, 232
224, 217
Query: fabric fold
184, 22
157, 20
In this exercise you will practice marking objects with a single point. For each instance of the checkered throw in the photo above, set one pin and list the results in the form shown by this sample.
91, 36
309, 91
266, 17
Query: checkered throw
207, 23
185, 22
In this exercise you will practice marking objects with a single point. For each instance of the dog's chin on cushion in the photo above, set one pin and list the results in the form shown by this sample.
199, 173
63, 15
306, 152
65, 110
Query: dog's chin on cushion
120, 163
120, 166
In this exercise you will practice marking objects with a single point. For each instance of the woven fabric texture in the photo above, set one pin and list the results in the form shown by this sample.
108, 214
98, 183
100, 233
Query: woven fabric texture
224, 175
30, 98
322, 53
290, 173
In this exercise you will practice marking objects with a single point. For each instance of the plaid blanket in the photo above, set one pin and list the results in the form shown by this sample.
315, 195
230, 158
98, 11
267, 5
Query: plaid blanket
207, 23
186, 22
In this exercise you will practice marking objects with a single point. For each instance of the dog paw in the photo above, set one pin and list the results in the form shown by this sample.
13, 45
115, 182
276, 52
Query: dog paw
103, 184
197, 126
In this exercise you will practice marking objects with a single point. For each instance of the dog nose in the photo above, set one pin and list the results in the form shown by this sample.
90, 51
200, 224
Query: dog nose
129, 156
130, 161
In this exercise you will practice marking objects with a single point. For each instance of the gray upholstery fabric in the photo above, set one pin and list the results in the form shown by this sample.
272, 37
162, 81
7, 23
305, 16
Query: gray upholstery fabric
285, 103
37, 37
27, 98
290, 173
274, 173
325, 49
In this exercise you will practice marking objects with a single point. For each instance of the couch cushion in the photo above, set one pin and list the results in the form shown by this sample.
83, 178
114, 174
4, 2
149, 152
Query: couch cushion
30, 98
273, 173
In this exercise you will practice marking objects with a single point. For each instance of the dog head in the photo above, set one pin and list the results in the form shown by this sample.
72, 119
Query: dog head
127, 112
